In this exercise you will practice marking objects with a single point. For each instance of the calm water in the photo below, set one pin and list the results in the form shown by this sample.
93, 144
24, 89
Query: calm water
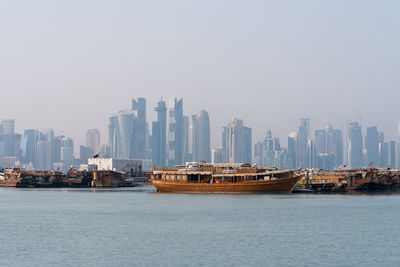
130, 227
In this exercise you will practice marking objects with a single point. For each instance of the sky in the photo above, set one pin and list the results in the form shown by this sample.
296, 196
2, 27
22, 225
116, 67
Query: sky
69, 65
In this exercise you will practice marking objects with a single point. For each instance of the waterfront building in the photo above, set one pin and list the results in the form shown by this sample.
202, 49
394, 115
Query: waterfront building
175, 132
134, 166
93, 140
140, 129
355, 142
159, 133
372, 146
237, 142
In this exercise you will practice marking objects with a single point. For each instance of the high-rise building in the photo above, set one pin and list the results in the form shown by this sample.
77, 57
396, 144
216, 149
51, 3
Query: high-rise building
188, 138
105, 151
29, 147
291, 160
217, 155
392, 154
175, 132
55, 151
334, 145
269, 152
259, 149
43, 155
355, 146
126, 123
67, 152
372, 146
311, 154
384, 154
93, 140
140, 129
159, 133
85, 153
320, 142
237, 142
302, 143
7, 126
201, 136
114, 138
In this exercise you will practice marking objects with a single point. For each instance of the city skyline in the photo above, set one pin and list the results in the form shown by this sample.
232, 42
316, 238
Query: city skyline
80, 139
186, 138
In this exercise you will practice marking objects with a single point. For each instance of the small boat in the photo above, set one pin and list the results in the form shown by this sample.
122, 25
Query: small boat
224, 177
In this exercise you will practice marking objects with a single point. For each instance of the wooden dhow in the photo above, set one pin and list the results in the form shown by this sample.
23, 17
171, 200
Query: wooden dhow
226, 177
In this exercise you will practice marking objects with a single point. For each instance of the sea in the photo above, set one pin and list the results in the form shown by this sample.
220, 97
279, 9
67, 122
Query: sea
140, 227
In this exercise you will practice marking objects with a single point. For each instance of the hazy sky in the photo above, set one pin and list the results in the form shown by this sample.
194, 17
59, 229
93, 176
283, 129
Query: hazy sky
69, 65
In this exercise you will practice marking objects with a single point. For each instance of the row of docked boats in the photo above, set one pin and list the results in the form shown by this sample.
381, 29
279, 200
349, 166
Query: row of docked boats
202, 177
103, 178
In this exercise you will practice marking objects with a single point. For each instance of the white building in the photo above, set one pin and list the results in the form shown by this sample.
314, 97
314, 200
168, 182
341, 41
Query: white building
119, 165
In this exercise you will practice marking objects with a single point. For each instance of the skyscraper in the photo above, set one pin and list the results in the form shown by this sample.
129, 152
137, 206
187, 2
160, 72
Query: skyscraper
355, 145
188, 138
7, 126
237, 142
67, 152
175, 132
93, 140
320, 142
392, 154
291, 161
85, 153
140, 129
372, 146
29, 147
114, 137
334, 145
126, 123
159, 133
302, 143
43, 155
201, 136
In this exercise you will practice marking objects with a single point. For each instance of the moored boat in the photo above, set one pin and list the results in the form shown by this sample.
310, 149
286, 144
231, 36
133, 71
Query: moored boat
225, 177
10, 178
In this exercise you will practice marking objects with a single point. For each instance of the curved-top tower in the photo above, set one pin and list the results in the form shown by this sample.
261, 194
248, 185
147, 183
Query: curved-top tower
201, 136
